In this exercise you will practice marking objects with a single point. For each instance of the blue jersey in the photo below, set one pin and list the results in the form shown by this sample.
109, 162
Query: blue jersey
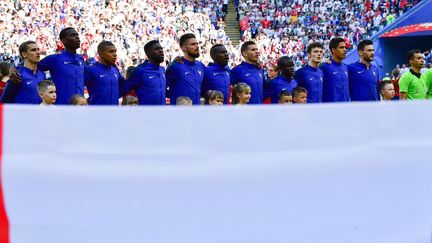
102, 82
216, 77
335, 82
148, 81
252, 76
185, 79
25, 92
67, 73
276, 86
363, 82
311, 79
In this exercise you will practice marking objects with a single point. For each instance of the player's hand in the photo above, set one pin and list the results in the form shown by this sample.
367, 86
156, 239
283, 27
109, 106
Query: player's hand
327, 60
178, 59
15, 77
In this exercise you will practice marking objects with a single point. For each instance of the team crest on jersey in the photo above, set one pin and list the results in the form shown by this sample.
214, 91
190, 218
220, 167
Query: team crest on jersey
374, 73
115, 75
346, 74
199, 72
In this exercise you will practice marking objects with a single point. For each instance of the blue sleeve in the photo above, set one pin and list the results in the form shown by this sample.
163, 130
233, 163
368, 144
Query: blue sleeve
47, 63
298, 76
86, 75
11, 90
170, 74
126, 86
268, 89
234, 76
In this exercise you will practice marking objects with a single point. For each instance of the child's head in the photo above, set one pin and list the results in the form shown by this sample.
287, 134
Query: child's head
299, 95
78, 99
130, 100
47, 92
387, 90
285, 97
214, 97
129, 71
183, 100
4, 70
241, 93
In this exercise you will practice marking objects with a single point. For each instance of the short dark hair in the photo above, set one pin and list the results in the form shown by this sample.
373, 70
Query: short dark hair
43, 85
363, 44
149, 45
103, 45
383, 83
24, 47
313, 45
130, 70
75, 98
246, 45
297, 90
212, 95
64, 31
214, 48
283, 61
5, 69
284, 93
411, 54
184, 38
334, 43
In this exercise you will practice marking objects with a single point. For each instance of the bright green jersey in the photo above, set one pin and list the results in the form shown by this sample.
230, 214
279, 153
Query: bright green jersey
413, 86
427, 76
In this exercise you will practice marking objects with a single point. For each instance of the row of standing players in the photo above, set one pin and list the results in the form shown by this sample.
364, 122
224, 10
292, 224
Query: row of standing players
333, 81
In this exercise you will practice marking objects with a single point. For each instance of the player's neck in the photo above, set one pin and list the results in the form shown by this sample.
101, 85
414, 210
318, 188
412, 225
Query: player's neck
154, 62
103, 62
31, 66
313, 64
336, 59
367, 63
73, 51
415, 69
189, 58
250, 62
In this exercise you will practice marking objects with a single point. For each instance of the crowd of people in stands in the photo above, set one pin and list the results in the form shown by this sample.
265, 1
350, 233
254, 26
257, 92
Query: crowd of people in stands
286, 27
128, 23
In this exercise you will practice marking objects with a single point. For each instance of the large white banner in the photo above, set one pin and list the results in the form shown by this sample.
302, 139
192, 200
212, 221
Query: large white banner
338, 173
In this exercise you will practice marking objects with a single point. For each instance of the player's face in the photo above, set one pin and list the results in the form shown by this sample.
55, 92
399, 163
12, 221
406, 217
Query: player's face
251, 54
301, 98
50, 95
32, 54
71, 40
221, 56
367, 53
217, 101
288, 70
157, 53
388, 92
316, 55
245, 96
417, 61
340, 51
286, 100
109, 55
192, 48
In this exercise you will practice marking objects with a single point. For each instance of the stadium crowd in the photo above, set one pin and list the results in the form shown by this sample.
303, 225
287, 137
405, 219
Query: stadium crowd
286, 27
128, 23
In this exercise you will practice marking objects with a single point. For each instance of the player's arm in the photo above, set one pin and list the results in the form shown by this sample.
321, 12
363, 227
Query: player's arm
47, 63
11, 90
404, 83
